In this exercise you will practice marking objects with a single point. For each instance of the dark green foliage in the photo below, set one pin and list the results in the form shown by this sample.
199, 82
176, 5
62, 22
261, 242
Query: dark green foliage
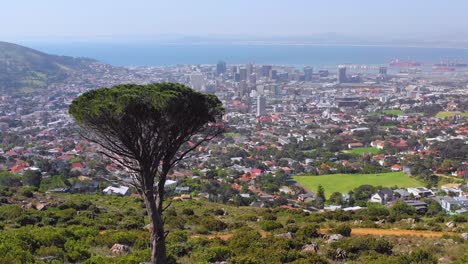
244, 238
307, 233
320, 197
187, 211
336, 198
344, 230
355, 246
401, 210
269, 225
213, 224
419, 256
32, 178
376, 211
9, 179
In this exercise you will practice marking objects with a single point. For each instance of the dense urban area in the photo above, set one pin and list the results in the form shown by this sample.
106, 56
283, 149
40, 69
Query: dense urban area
360, 163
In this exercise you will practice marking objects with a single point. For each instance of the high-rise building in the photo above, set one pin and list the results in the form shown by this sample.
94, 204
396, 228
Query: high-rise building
342, 78
261, 106
250, 69
308, 71
221, 67
383, 73
383, 70
234, 70
266, 70
243, 74
253, 79
273, 74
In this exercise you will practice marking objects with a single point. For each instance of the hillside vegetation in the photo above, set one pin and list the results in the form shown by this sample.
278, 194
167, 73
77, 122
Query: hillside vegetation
84, 229
24, 69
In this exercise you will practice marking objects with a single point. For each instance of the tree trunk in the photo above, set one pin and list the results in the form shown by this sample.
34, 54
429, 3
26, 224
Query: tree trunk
158, 238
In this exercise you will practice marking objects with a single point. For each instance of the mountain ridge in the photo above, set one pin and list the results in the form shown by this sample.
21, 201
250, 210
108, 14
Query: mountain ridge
24, 69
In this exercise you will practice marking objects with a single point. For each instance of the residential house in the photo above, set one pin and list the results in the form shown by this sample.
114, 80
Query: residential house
421, 207
420, 192
111, 190
402, 194
453, 204
383, 196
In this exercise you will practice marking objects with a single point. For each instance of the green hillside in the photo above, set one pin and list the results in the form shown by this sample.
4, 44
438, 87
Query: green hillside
24, 69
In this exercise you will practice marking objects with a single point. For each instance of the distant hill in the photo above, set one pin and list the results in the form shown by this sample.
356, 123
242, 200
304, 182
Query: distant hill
24, 70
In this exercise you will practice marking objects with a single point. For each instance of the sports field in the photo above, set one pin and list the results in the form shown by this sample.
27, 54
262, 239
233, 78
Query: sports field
346, 182
392, 112
360, 151
450, 114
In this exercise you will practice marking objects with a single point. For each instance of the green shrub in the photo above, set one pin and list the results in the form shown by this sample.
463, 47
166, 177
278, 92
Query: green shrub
269, 225
344, 230
188, 211
10, 212
419, 256
269, 217
213, 224
306, 233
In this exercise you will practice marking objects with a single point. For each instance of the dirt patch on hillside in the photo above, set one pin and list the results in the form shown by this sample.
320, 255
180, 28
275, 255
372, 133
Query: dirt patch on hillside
354, 232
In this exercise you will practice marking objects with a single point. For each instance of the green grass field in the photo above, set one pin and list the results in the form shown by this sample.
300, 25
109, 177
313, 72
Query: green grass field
232, 134
450, 114
346, 182
392, 112
360, 151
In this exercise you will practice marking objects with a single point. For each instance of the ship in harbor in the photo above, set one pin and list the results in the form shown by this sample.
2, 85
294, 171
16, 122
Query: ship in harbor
449, 63
443, 69
400, 63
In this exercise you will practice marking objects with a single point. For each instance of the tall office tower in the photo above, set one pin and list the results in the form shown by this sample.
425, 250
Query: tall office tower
266, 70
261, 105
342, 74
250, 69
234, 70
237, 77
383, 70
243, 89
253, 79
273, 74
221, 67
243, 74
383, 73
308, 71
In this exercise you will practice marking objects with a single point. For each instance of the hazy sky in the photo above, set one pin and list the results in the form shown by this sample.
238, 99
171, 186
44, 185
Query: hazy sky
92, 19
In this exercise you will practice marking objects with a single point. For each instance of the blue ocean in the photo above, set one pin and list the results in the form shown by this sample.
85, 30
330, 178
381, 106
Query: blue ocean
149, 54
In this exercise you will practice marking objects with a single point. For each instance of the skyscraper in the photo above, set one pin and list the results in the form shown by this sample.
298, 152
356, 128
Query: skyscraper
383, 70
308, 71
250, 69
253, 79
243, 74
383, 73
266, 70
261, 105
221, 67
342, 74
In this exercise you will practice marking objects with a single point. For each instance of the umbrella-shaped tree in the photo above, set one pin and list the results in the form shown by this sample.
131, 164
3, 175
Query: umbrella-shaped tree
148, 129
